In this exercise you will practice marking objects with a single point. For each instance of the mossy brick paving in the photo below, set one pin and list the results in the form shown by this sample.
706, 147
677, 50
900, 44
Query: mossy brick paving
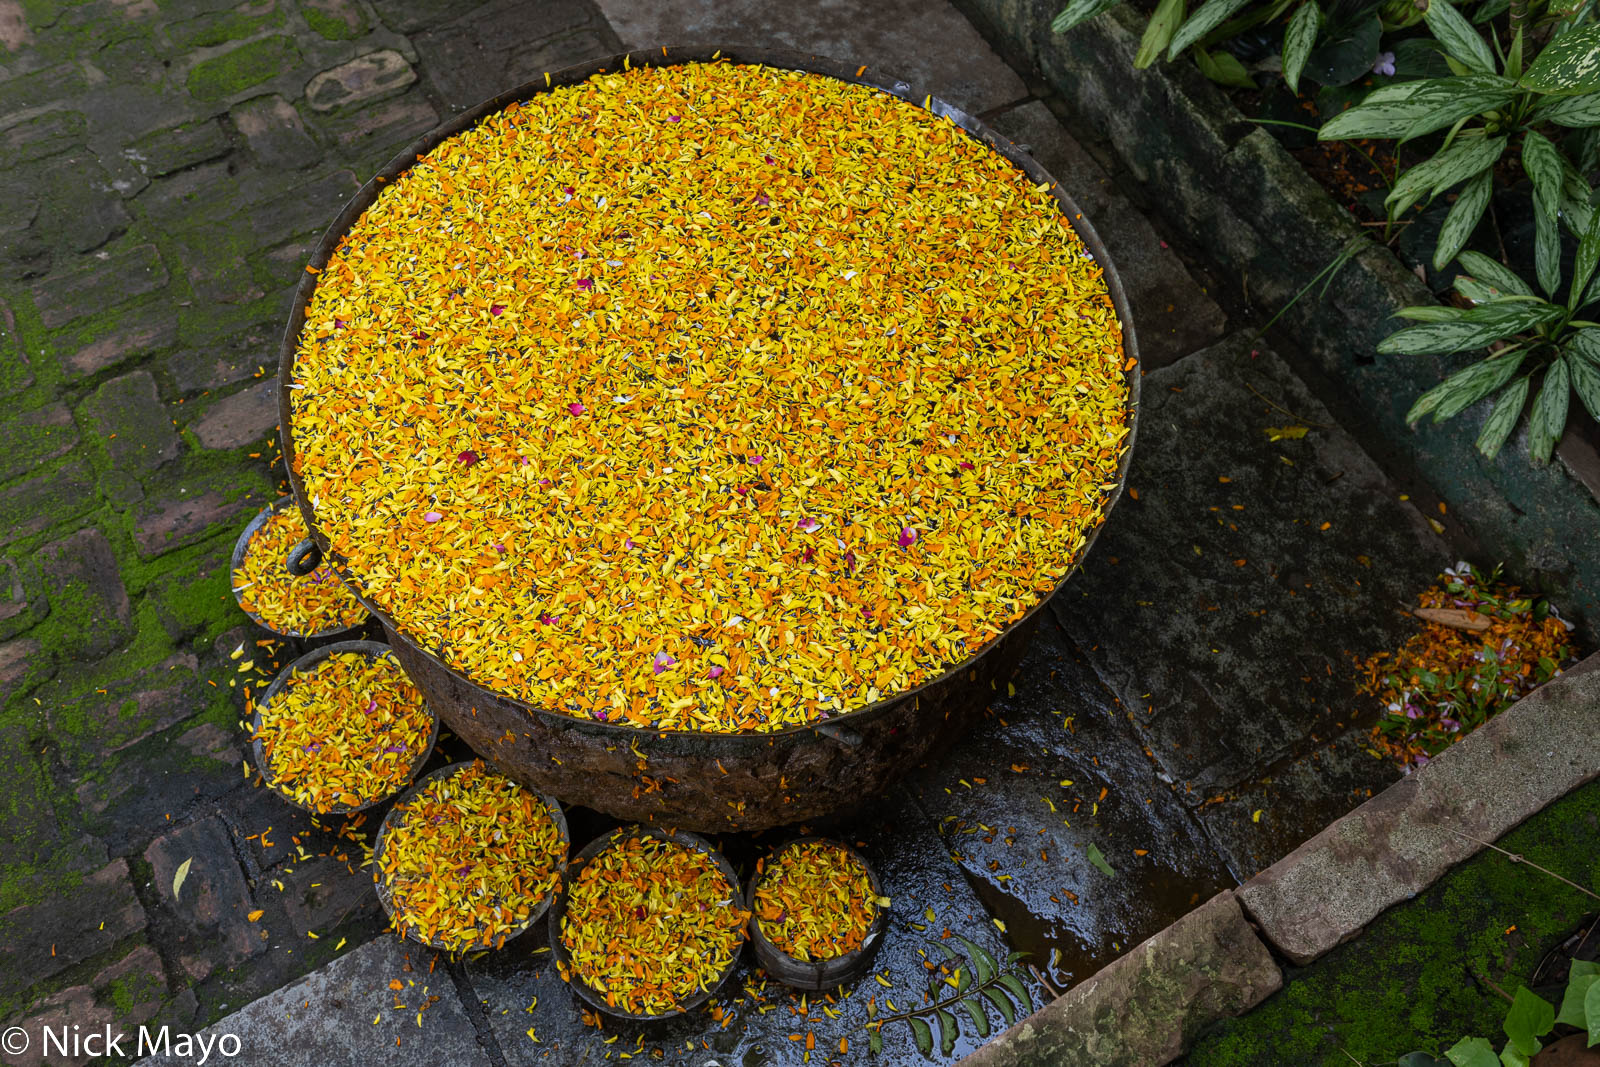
1414, 979
245, 66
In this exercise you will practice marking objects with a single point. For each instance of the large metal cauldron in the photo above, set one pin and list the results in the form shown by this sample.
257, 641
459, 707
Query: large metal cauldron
704, 781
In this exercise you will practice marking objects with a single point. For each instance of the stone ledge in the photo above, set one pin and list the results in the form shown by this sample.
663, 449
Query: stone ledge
1144, 1008
1399, 842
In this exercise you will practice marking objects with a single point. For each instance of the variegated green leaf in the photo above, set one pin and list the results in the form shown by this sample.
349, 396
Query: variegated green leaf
1452, 99
1585, 375
1465, 387
1542, 161
1587, 259
1078, 11
1223, 68
1212, 14
1386, 112
1495, 273
1298, 40
1474, 330
1546, 251
1575, 112
1463, 218
1568, 65
1503, 419
1549, 415
1460, 39
1457, 163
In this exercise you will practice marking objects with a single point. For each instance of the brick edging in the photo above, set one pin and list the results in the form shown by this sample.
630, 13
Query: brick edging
1214, 963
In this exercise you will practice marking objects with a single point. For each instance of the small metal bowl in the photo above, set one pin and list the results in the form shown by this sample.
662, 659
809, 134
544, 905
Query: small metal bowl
301, 666
242, 546
386, 895
817, 975
558, 912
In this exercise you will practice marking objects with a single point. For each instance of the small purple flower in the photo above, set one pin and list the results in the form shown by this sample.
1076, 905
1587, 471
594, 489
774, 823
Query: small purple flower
395, 749
1385, 64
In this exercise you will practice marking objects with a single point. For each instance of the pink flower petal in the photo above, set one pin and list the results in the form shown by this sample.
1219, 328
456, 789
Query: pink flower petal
967, 466
754, 457
908, 537
808, 524
585, 283
432, 516
496, 309
714, 672
545, 618
662, 662
467, 458
576, 408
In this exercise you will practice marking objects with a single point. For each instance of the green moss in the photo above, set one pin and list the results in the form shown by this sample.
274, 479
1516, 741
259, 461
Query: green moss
221, 27
247, 65
332, 26
1407, 982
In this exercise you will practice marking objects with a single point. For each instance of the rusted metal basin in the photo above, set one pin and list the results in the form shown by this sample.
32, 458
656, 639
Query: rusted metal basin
710, 782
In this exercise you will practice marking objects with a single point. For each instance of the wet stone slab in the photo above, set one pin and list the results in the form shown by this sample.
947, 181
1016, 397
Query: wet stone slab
1053, 770
1227, 602
327, 1018
930, 45
757, 1021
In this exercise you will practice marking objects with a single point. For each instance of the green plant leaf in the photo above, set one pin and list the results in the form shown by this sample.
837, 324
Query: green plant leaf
1575, 112
1576, 211
1531, 1016
1464, 216
1591, 1014
1348, 48
1158, 32
1542, 161
1585, 374
1568, 65
963, 978
1571, 1011
1547, 251
1587, 259
948, 1031
1002, 1004
1013, 957
1503, 419
1466, 387
1452, 99
1431, 313
983, 964
949, 953
1460, 161
1474, 290
1510, 1056
1547, 420
924, 1036
179, 876
1212, 14
1078, 11
1472, 1052
1298, 40
1514, 56
1386, 112
1460, 39
1474, 329
1014, 986
1098, 860
1223, 68
874, 1041
1495, 273
980, 1018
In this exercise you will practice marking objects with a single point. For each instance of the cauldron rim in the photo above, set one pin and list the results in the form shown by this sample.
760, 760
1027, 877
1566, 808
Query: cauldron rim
663, 56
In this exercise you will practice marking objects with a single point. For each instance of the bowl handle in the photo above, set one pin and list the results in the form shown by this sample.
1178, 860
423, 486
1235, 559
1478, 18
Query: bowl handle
304, 558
